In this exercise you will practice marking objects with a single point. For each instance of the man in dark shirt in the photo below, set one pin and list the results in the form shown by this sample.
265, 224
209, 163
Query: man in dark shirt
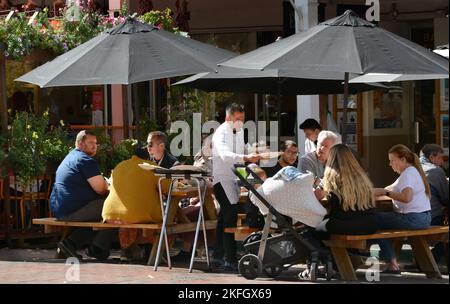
288, 158
77, 196
156, 151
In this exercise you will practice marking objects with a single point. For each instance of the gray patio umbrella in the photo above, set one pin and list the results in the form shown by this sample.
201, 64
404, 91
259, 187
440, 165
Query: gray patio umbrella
131, 52
268, 82
346, 46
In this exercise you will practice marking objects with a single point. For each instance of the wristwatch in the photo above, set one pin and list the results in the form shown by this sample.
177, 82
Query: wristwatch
387, 193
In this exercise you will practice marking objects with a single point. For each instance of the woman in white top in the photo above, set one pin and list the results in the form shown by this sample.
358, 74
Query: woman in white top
411, 196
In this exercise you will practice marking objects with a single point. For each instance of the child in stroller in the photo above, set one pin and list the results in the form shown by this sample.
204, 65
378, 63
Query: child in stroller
273, 254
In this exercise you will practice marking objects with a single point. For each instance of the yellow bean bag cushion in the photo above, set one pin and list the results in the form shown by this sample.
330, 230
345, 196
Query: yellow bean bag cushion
134, 194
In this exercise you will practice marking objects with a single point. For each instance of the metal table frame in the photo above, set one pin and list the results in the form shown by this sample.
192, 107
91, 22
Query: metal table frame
174, 175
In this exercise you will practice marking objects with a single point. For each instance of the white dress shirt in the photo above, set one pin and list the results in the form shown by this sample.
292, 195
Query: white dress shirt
310, 146
228, 148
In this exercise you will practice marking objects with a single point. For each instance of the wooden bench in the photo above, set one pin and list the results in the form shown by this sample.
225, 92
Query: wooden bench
418, 239
52, 224
241, 232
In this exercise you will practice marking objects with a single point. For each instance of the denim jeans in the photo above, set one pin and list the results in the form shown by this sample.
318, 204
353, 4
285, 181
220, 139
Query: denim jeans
394, 220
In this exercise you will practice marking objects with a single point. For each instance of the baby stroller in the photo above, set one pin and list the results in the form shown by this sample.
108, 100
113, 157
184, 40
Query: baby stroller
271, 254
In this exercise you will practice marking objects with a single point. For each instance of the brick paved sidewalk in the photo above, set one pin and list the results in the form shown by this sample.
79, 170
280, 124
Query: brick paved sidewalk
24, 266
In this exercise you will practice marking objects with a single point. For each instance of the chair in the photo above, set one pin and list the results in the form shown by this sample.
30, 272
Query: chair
44, 184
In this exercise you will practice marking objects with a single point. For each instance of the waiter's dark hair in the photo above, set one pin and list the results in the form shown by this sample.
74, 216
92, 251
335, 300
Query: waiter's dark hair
234, 108
310, 123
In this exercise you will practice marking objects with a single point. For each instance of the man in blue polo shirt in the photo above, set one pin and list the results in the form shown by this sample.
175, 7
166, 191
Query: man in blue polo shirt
77, 195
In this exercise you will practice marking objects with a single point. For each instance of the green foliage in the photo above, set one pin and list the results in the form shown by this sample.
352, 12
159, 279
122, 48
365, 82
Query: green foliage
26, 147
146, 126
19, 37
124, 9
58, 36
104, 150
161, 19
61, 35
57, 143
123, 151
31, 146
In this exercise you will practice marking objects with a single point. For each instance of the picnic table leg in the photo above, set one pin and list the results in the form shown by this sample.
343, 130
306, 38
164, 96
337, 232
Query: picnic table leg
344, 263
200, 224
424, 257
163, 234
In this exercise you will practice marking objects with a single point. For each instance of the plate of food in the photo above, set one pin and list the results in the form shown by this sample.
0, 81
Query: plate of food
178, 185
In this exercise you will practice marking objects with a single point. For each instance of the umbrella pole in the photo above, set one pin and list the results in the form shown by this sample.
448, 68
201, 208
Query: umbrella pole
344, 114
279, 109
4, 125
137, 113
125, 99
256, 118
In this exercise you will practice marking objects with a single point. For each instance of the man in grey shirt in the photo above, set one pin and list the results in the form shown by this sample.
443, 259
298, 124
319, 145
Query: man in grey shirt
315, 161
431, 159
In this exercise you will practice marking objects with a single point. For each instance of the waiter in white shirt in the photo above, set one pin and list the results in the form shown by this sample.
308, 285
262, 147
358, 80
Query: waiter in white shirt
228, 150
311, 128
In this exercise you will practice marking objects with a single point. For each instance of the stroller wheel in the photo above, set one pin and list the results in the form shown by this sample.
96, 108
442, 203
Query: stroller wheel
273, 272
250, 267
310, 273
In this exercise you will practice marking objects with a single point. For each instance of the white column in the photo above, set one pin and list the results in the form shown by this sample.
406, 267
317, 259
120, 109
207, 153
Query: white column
307, 105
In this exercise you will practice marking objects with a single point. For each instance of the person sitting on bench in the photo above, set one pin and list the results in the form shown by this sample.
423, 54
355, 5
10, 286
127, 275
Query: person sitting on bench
77, 196
411, 195
431, 159
349, 194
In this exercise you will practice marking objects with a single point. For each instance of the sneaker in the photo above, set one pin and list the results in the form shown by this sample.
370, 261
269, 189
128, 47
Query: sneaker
97, 253
230, 267
68, 248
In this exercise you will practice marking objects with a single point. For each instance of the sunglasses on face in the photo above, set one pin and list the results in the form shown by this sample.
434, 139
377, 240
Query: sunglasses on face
150, 144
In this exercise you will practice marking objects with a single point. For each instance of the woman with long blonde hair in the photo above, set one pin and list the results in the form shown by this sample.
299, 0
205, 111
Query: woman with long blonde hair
411, 200
349, 194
